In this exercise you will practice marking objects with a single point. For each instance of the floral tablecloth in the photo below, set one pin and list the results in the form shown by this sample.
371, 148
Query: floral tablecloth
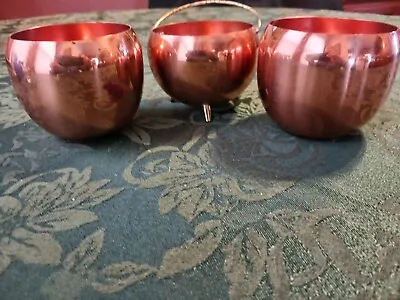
173, 208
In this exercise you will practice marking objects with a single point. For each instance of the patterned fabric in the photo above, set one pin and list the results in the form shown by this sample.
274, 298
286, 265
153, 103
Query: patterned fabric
172, 208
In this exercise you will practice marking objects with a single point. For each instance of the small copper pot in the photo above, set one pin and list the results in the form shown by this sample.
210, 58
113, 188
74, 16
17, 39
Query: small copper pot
322, 77
203, 63
78, 80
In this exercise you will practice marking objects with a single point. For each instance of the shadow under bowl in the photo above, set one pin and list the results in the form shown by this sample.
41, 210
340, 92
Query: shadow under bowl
324, 78
77, 80
203, 62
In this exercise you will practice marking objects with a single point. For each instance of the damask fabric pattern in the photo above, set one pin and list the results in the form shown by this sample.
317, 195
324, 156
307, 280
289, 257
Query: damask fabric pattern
172, 208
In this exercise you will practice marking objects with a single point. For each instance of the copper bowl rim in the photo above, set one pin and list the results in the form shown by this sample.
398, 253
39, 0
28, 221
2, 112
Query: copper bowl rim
393, 30
124, 28
160, 29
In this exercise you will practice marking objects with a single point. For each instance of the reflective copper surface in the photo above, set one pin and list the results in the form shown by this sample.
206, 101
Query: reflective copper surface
79, 80
326, 77
203, 63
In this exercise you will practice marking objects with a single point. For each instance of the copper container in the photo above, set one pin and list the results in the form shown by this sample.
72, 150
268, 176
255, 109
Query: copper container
326, 77
203, 63
78, 80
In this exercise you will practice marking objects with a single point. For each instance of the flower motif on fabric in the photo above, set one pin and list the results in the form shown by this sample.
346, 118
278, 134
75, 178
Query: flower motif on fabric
192, 181
204, 179
78, 271
252, 255
23, 154
34, 208
137, 130
75, 271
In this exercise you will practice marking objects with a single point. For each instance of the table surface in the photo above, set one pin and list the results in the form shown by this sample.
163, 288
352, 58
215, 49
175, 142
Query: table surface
172, 208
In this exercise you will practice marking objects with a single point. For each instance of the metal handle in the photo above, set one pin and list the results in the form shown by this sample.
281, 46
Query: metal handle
206, 2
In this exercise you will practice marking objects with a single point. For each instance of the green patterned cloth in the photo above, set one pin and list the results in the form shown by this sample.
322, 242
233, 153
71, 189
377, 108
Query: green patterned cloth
172, 208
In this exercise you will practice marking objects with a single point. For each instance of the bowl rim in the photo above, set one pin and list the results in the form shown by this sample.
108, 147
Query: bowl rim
361, 20
14, 35
159, 30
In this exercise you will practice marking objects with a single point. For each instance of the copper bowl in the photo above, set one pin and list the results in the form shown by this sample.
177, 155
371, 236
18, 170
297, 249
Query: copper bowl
326, 77
203, 63
78, 80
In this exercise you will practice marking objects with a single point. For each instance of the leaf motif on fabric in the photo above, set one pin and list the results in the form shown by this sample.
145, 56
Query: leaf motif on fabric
12, 116
64, 285
310, 229
61, 220
5, 261
183, 177
85, 192
98, 197
45, 196
184, 161
73, 179
303, 234
304, 229
193, 183
40, 198
46, 203
392, 205
137, 135
11, 176
22, 244
9, 207
248, 106
277, 272
304, 226
157, 123
192, 253
32, 248
82, 257
196, 201
20, 184
389, 258
56, 200
118, 276
245, 264
204, 153
182, 168
250, 191
197, 134
281, 230
338, 252
5, 160
149, 166
275, 260
191, 198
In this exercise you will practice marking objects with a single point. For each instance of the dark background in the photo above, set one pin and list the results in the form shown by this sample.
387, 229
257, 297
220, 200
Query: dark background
316, 4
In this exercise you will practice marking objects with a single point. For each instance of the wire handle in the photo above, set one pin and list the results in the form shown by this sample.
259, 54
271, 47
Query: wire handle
206, 2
